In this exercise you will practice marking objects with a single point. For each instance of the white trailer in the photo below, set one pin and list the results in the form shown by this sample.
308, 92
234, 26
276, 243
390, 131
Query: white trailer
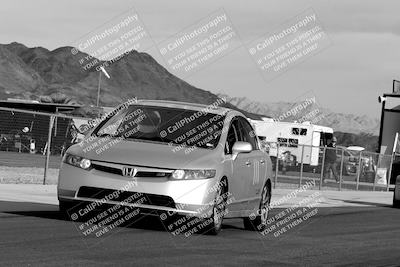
390, 126
292, 136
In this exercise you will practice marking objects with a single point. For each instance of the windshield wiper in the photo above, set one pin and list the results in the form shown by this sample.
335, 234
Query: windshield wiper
155, 139
146, 140
106, 135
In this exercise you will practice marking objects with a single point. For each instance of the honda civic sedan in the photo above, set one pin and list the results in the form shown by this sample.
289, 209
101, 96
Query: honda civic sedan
170, 158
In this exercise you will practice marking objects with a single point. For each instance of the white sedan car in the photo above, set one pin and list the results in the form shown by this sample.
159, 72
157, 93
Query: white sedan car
180, 158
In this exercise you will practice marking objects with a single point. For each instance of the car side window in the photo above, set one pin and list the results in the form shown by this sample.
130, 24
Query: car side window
248, 133
231, 138
237, 127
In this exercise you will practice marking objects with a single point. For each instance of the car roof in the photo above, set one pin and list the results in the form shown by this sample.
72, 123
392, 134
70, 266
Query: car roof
213, 108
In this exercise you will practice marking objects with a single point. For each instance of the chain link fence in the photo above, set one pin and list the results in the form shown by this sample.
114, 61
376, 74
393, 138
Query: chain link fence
329, 168
32, 145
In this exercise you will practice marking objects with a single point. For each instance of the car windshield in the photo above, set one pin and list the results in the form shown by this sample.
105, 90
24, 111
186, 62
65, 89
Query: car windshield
163, 124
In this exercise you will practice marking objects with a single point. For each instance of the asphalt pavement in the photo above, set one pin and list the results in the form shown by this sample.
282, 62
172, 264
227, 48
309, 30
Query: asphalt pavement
358, 234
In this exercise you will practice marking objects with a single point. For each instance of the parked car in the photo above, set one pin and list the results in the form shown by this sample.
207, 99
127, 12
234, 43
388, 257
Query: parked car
350, 160
221, 174
351, 163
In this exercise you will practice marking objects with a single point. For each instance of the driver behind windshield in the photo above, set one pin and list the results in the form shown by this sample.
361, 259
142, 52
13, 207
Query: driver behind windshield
143, 126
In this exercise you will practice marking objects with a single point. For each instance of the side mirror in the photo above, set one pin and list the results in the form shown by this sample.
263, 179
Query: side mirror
241, 147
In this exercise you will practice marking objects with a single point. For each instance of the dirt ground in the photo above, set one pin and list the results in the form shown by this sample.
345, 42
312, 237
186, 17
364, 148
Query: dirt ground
27, 175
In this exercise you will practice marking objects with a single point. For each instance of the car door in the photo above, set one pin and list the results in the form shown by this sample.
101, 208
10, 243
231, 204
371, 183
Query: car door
238, 182
257, 159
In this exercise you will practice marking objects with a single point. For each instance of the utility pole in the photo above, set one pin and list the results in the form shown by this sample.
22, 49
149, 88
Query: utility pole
48, 150
98, 90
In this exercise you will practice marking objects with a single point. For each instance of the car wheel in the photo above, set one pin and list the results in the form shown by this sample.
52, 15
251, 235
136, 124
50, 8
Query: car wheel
259, 222
214, 223
67, 208
396, 202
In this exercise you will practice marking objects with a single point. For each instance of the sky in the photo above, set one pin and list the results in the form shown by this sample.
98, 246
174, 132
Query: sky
348, 76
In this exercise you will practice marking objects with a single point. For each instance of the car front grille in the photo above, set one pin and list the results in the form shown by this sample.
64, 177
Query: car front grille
107, 169
139, 174
124, 196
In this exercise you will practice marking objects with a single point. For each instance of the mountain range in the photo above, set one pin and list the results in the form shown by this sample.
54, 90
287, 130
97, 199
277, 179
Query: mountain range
31, 73
341, 122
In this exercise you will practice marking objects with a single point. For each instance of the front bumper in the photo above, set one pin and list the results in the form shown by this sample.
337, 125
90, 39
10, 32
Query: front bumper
188, 197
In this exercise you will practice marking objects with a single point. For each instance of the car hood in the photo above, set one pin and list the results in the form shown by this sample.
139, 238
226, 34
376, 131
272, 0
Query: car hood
147, 154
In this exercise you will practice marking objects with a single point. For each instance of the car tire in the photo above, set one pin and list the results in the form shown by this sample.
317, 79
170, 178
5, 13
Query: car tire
259, 221
396, 202
66, 208
214, 222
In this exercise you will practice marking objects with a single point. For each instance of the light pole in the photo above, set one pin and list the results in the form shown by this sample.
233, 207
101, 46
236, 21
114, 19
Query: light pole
98, 90
98, 87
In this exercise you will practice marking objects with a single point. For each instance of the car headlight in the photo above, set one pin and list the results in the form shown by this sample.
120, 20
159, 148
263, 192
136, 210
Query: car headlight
192, 174
77, 161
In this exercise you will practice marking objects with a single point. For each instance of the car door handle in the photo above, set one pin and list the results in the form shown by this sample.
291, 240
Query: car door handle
248, 163
262, 161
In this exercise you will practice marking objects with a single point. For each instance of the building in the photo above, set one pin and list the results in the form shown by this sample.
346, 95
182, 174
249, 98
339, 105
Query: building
390, 125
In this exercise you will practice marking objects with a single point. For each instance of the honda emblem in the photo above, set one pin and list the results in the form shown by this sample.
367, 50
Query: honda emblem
128, 171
